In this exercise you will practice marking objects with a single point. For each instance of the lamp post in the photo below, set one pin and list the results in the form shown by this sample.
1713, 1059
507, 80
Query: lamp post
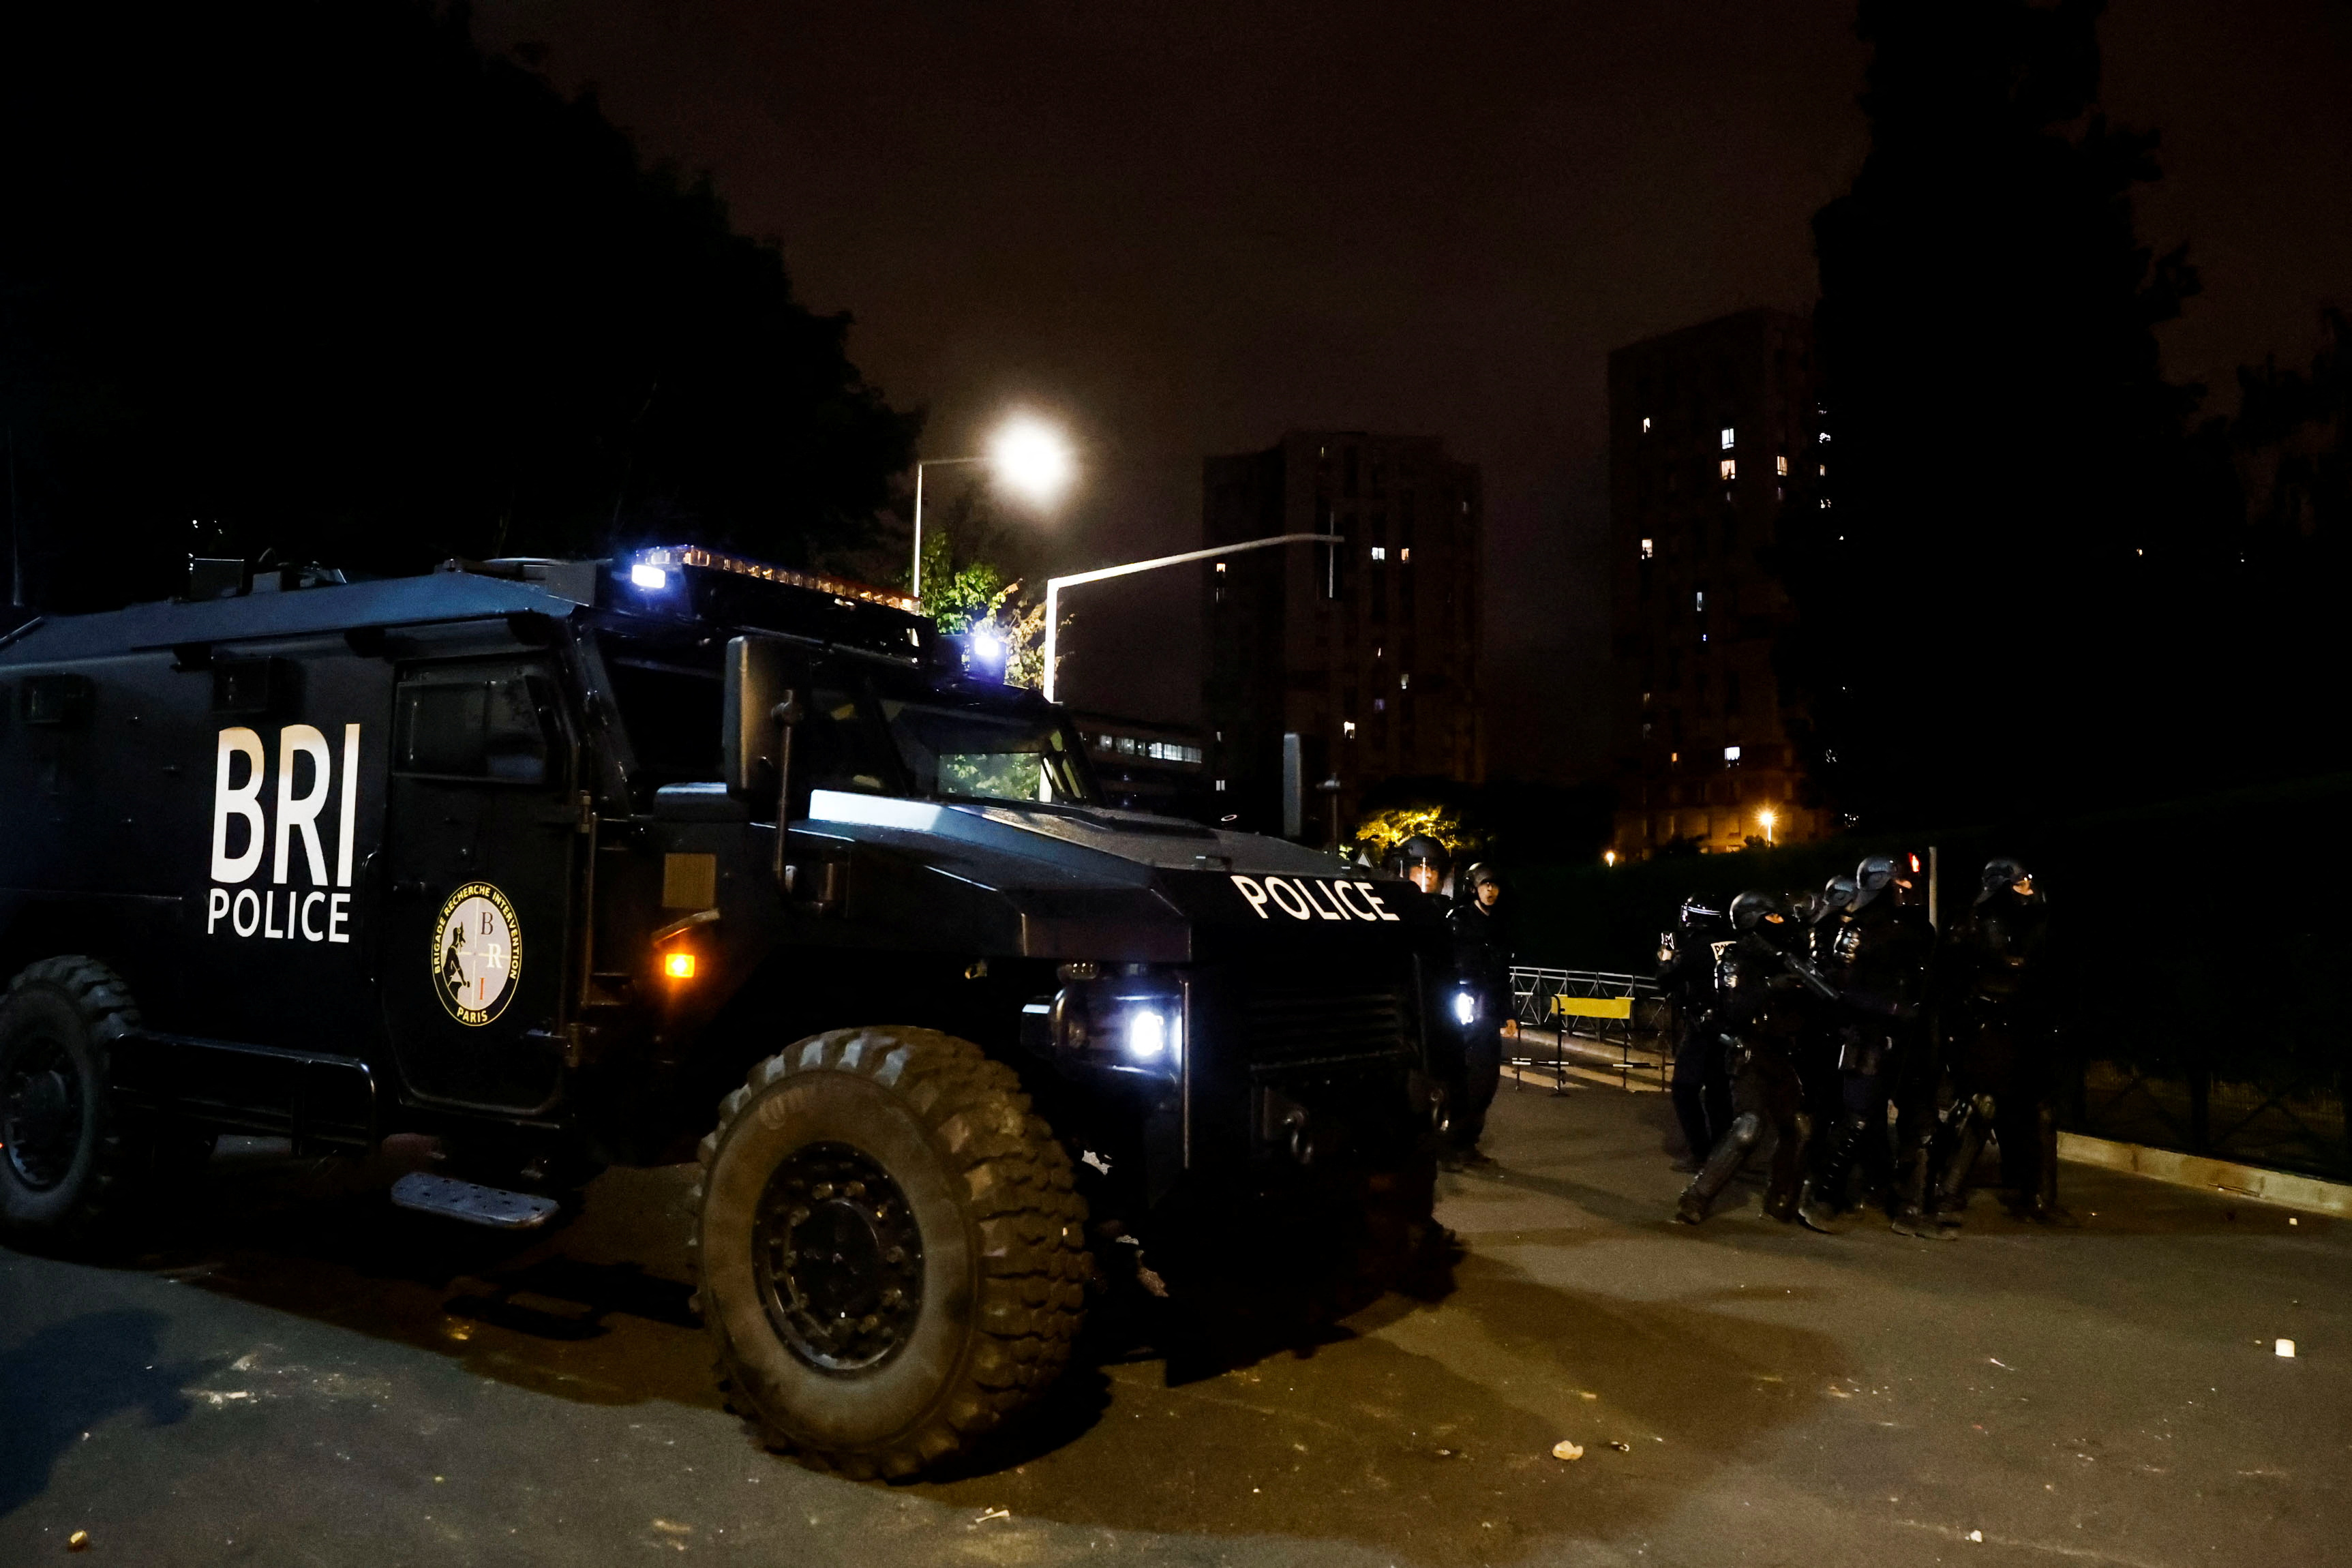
1765, 820
1053, 586
1028, 454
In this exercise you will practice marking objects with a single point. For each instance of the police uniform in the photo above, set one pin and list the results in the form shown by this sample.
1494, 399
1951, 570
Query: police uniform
1701, 1091
2002, 1050
1762, 1010
1481, 958
1878, 957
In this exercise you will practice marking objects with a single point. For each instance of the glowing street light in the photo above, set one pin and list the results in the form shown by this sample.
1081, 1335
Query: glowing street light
1028, 455
1765, 820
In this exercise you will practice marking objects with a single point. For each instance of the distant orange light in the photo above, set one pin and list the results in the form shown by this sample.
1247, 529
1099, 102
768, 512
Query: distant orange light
678, 965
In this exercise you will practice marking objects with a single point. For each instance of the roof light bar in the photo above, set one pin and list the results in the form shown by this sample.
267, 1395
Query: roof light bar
716, 561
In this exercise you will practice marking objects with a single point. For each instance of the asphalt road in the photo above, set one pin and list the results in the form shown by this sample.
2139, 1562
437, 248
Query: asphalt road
311, 1379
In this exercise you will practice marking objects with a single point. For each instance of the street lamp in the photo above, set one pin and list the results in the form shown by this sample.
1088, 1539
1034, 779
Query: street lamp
1053, 586
1027, 454
1765, 820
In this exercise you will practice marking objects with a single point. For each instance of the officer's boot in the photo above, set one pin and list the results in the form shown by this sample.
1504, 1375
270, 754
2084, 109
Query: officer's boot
1787, 1162
1720, 1167
2041, 1206
1825, 1194
1964, 1146
1911, 1200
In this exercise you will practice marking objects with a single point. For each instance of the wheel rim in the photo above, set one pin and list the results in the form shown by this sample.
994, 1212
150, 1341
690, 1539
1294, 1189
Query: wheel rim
41, 1113
838, 1257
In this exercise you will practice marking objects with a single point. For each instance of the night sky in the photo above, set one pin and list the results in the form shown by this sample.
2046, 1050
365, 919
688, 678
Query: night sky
1184, 227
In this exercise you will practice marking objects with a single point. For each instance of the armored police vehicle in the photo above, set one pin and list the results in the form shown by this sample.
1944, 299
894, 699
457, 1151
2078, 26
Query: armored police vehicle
533, 863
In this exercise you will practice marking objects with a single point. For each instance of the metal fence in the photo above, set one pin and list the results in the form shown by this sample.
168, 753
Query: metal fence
2286, 1122
1588, 1023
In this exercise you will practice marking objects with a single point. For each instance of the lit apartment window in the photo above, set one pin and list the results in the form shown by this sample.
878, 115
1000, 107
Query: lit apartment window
1645, 424
1221, 566
1380, 552
1347, 728
1781, 464
1730, 753
1404, 682
1221, 786
1649, 548
1379, 704
1726, 437
1405, 553
1731, 467
1824, 470
1698, 600
1825, 437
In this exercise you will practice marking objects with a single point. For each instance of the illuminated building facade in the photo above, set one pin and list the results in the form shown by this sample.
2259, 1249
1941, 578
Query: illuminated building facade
1353, 663
1714, 439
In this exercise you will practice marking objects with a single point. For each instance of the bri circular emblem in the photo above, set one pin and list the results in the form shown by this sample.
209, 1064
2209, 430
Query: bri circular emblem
477, 954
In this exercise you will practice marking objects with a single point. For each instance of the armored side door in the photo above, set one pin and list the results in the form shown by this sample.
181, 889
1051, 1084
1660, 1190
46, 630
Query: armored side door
483, 852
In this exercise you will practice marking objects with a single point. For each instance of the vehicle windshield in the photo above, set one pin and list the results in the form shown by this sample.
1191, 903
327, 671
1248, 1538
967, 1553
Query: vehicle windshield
985, 755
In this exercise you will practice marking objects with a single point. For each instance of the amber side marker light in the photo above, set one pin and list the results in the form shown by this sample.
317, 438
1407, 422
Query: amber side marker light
678, 965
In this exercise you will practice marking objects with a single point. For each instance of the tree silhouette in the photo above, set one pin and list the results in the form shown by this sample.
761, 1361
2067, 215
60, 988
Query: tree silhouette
2008, 485
327, 279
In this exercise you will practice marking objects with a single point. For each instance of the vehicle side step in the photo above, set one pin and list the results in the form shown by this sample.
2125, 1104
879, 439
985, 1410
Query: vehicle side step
471, 1201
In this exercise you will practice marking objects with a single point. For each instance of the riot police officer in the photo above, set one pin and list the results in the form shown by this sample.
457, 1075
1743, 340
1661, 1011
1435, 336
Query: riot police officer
1762, 1011
1701, 1091
2000, 1074
1423, 861
1482, 961
1877, 955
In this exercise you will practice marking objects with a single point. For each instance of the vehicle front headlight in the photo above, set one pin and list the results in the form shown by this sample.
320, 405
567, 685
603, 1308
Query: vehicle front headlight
1465, 1007
1130, 1022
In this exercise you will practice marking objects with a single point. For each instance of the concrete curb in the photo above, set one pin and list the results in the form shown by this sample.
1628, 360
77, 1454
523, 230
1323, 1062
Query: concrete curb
2308, 1194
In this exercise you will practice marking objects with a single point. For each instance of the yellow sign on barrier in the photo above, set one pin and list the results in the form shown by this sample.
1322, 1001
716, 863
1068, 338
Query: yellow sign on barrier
1593, 1006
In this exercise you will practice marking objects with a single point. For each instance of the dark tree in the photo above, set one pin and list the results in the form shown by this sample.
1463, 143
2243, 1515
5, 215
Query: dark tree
326, 280
2007, 478
2289, 563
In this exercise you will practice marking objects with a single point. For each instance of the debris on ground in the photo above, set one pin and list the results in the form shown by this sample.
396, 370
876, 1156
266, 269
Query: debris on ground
1976, 1535
78, 1541
1564, 1449
1620, 1448
2286, 1348
993, 1513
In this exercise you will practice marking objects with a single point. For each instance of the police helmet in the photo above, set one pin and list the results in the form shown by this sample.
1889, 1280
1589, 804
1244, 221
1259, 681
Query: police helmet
2002, 872
1477, 874
1873, 877
1837, 893
1755, 910
1698, 909
1421, 849
1804, 908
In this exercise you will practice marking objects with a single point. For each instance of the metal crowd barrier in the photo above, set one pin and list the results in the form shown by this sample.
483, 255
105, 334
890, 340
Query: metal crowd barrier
1584, 1022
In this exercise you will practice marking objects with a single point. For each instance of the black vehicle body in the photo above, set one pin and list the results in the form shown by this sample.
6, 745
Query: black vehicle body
264, 811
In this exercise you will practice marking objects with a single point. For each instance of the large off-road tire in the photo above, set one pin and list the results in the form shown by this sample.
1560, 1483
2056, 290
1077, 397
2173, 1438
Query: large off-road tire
892, 1257
66, 1158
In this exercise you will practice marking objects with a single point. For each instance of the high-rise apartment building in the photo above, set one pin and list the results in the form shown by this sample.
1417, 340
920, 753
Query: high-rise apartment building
1330, 668
1714, 439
